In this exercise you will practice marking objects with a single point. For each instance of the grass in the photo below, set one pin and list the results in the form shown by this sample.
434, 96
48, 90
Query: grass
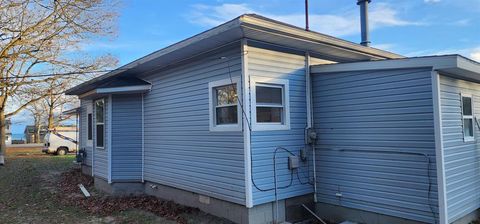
29, 194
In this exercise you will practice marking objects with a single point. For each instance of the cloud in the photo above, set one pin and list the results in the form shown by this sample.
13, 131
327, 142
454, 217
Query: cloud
472, 52
431, 1
461, 22
342, 24
475, 54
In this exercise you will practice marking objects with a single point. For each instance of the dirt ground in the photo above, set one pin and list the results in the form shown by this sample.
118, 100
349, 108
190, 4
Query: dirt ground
37, 188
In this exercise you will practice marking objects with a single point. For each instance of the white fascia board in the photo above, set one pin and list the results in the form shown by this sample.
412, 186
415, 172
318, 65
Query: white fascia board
440, 63
124, 89
437, 62
272, 26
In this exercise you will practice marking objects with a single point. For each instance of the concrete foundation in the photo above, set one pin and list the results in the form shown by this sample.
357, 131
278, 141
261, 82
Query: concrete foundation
118, 189
337, 214
87, 170
289, 210
473, 216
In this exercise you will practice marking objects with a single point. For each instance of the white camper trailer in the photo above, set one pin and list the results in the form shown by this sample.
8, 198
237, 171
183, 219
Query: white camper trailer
61, 140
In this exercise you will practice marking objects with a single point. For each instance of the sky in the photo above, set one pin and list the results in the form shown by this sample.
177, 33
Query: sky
408, 27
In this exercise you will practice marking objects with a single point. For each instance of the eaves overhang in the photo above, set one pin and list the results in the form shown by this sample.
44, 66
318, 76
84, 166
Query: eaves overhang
248, 26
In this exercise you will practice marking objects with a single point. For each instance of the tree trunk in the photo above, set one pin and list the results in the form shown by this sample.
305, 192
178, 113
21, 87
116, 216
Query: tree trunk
3, 133
51, 121
38, 128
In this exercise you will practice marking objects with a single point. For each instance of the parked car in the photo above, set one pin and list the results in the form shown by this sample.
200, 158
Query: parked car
60, 142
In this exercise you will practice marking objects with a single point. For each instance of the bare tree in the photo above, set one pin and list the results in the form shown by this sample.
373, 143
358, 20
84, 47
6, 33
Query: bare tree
40, 36
38, 112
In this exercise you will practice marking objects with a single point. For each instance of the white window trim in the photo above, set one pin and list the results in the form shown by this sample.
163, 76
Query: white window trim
467, 138
90, 111
286, 101
103, 123
212, 118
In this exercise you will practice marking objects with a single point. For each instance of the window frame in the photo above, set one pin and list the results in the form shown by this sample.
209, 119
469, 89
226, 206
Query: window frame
271, 82
212, 98
90, 111
471, 117
97, 123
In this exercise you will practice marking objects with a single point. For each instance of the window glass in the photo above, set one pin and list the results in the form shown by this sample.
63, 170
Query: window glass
268, 95
99, 120
99, 110
227, 115
226, 111
100, 135
269, 102
467, 118
226, 95
467, 105
269, 114
90, 126
468, 127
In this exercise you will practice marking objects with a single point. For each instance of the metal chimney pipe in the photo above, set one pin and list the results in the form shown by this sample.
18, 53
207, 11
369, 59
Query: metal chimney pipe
364, 22
307, 28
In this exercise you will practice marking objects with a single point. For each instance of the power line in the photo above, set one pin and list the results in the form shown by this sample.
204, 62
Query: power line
60, 74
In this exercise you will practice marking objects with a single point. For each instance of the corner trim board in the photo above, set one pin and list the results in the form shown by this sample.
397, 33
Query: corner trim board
246, 130
437, 114
109, 140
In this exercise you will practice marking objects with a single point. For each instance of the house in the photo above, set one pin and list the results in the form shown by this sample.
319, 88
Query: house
30, 133
254, 118
8, 134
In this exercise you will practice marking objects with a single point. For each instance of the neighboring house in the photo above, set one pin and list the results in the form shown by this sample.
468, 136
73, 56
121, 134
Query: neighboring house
30, 131
226, 121
8, 134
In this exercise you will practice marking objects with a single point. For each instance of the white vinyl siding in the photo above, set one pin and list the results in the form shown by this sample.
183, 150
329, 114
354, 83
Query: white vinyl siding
180, 149
462, 159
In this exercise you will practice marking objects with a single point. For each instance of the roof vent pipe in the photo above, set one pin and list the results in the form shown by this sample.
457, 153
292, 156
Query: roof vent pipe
307, 28
364, 22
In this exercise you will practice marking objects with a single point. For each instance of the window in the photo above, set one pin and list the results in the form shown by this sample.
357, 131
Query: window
225, 114
100, 123
467, 118
90, 126
270, 104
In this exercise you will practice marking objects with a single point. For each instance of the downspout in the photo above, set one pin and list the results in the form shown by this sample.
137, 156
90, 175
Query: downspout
109, 140
308, 84
143, 140
246, 126
93, 136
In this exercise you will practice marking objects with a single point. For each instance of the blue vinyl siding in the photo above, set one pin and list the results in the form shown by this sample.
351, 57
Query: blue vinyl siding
100, 162
127, 137
376, 111
83, 131
462, 159
180, 151
264, 63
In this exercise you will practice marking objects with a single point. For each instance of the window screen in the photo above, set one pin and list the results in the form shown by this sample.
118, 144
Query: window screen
269, 103
90, 126
99, 121
467, 118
